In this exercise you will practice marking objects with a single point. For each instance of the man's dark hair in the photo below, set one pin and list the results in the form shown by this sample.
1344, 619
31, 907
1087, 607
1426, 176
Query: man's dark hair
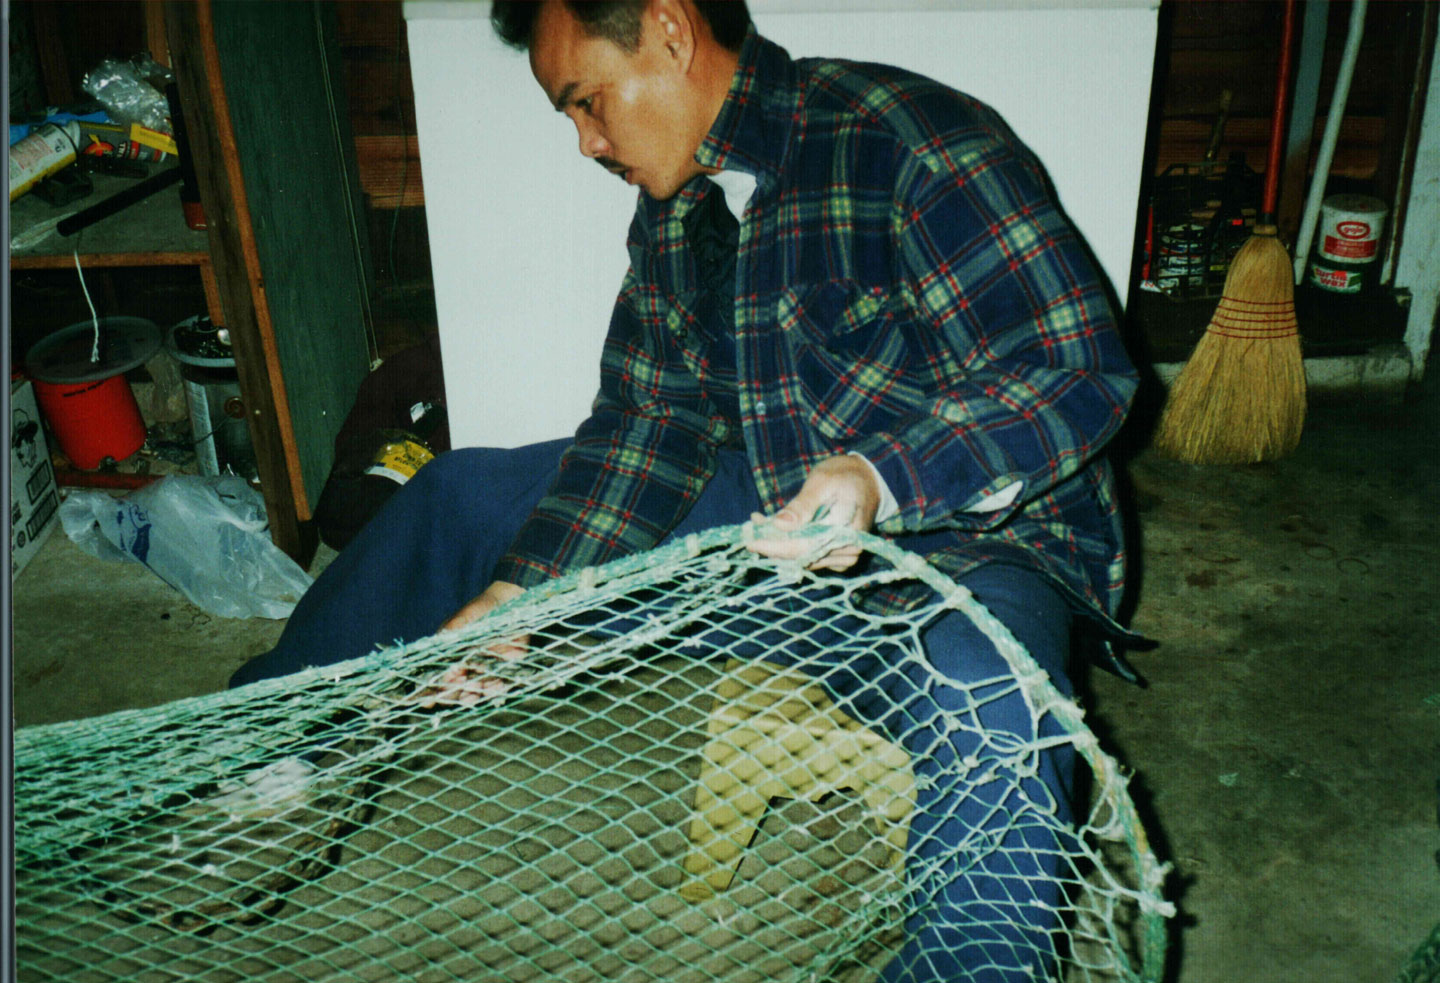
617, 21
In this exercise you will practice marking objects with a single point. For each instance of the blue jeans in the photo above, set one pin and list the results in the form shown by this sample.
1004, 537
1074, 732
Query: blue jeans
434, 544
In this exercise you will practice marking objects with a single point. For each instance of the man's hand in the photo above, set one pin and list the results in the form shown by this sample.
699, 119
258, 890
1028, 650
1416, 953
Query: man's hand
467, 683
489, 599
840, 491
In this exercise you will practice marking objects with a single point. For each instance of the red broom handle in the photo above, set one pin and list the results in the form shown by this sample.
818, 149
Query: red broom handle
1278, 119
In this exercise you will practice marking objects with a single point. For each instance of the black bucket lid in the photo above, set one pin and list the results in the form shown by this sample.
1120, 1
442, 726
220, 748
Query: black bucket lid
64, 355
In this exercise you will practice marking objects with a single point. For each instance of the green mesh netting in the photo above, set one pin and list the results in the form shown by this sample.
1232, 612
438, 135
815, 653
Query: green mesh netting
1423, 966
650, 800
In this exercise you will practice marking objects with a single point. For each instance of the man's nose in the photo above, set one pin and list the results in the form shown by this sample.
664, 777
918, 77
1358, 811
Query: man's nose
592, 143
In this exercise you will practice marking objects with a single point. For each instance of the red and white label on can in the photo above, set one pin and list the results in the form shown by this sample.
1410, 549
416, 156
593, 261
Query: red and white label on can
1352, 240
1350, 228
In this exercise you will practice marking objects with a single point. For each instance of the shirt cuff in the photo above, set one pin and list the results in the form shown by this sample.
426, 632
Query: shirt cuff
1001, 499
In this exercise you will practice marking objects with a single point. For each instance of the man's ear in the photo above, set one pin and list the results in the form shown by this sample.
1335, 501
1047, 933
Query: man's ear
674, 22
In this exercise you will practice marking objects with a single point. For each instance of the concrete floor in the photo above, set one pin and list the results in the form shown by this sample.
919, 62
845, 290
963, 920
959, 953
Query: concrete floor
1284, 750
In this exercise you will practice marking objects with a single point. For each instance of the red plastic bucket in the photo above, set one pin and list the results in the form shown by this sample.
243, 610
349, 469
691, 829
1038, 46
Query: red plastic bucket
93, 420
88, 403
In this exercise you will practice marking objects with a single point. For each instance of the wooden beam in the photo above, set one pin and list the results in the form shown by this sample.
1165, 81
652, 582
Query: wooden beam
237, 272
155, 38
67, 261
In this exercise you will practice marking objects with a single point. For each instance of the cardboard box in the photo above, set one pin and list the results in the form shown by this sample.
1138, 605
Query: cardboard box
33, 497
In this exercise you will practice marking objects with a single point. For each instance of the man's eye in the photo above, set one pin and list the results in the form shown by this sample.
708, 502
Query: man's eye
584, 105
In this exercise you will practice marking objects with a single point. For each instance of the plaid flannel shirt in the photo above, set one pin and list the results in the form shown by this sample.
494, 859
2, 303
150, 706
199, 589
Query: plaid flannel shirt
906, 288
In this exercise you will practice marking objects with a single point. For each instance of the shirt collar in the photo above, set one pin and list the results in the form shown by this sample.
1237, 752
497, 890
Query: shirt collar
752, 130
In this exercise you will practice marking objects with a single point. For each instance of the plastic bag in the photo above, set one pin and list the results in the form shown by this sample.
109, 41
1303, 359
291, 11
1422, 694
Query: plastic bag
127, 91
206, 536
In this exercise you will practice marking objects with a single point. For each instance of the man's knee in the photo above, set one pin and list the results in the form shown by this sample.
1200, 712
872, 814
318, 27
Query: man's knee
1031, 609
448, 474
976, 680
484, 482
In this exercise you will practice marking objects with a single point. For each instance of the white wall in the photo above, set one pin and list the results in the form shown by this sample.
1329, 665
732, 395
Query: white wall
527, 238
1418, 266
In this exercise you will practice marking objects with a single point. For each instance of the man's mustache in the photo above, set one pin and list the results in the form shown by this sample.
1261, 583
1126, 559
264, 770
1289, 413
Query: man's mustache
611, 164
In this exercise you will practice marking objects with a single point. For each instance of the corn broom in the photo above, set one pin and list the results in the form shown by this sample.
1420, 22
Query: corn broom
1241, 396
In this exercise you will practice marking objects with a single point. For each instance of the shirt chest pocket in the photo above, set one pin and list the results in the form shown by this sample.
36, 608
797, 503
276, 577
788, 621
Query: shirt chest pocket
851, 363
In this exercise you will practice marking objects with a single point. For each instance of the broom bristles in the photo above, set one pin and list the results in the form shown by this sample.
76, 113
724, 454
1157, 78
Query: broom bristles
1241, 396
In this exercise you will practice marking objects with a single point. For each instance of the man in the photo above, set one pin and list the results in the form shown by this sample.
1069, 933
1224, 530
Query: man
852, 297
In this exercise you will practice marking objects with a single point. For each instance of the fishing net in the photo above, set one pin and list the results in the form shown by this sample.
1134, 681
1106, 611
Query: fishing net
662, 786
1423, 966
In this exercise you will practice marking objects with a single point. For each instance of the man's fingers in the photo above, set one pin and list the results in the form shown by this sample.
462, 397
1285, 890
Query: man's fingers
462, 685
841, 559
782, 547
840, 491
800, 547
511, 649
469, 682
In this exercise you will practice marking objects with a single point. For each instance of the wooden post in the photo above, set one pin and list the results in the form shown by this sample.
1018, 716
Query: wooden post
236, 272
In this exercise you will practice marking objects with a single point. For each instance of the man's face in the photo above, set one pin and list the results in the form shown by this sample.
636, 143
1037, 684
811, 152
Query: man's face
629, 109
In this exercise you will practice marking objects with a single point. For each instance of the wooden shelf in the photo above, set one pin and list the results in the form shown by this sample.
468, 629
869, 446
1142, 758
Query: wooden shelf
151, 232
